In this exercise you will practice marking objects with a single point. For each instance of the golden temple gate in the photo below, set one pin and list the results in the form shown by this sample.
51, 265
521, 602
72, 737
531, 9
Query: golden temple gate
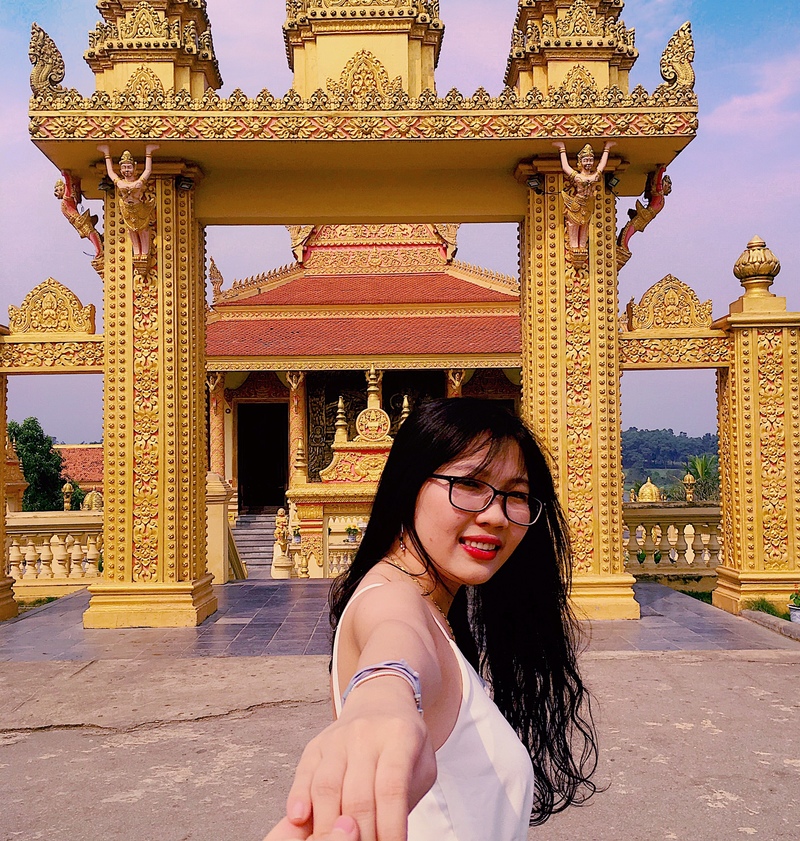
364, 138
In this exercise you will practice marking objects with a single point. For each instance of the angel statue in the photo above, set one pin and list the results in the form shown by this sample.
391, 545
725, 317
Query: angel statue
579, 200
137, 211
68, 191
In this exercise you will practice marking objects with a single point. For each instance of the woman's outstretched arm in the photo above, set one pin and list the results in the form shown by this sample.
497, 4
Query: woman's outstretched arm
377, 760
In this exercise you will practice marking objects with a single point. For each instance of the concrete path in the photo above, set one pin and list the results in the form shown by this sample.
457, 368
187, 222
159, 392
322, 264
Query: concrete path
154, 735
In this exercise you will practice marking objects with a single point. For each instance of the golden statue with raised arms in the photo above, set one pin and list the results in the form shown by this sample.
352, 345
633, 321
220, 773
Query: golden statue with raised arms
137, 211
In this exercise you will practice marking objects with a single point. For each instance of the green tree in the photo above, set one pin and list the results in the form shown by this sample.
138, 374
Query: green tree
41, 464
705, 469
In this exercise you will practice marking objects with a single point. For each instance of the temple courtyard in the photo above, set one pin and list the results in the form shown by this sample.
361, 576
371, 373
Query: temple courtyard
194, 733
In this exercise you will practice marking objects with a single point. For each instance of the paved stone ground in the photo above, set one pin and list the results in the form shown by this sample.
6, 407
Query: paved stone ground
168, 735
257, 618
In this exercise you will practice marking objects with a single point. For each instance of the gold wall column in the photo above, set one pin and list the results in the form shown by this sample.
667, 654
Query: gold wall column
570, 386
216, 423
154, 571
8, 607
759, 421
297, 426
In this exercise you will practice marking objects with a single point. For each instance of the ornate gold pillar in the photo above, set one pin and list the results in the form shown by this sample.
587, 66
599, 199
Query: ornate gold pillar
570, 385
297, 426
216, 423
154, 571
8, 607
759, 422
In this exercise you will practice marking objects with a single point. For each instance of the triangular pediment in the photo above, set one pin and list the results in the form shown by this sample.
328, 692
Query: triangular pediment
368, 264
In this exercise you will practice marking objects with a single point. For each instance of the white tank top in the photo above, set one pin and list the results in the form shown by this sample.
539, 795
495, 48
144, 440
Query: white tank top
484, 782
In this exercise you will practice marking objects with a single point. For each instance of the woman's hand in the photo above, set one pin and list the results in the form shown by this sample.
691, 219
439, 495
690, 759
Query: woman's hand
375, 763
345, 829
560, 146
104, 150
150, 148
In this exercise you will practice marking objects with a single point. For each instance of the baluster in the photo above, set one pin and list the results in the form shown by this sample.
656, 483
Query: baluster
75, 557
681, 545
302, 572
15, 560
698, 548
664, 545
714, 548
92, 557
638, 543
31, 560
45, 560
626, 542
58, 550
649, 545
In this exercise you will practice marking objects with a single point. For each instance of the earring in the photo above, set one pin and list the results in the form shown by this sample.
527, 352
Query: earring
402, 542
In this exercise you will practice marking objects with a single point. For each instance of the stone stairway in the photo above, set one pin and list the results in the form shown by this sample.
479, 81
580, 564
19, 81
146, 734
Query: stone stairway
254, 534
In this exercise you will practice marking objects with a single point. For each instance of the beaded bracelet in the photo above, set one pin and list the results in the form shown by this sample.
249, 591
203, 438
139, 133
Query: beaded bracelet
397, 668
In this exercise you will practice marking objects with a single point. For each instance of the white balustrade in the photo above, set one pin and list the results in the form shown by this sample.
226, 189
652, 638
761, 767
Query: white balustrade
671, 540
53, 550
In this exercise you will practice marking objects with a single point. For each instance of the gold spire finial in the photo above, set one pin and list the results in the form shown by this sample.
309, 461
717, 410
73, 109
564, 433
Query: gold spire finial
649, 492
406, 410
757, 268
340, 436
373, 389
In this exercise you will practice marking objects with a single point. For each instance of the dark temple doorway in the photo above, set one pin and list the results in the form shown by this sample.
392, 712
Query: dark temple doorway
262, 454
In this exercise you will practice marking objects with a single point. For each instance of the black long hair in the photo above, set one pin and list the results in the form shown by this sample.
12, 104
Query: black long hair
517, 629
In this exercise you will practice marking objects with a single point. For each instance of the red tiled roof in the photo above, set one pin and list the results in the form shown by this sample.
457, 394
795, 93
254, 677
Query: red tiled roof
433, 288
368, 336
84, 465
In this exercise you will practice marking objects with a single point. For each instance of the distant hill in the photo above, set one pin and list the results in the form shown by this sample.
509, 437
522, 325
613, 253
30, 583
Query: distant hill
661, 449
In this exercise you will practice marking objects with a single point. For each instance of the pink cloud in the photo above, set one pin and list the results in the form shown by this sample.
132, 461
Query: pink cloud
771, 110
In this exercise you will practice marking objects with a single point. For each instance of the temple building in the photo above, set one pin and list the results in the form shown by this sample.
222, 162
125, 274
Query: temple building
292, 342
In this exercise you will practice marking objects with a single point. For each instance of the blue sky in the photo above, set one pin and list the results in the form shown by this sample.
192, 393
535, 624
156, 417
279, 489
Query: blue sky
732, 182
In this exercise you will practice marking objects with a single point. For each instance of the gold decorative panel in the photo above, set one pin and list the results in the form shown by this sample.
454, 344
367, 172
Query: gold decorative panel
51, 308
669, 304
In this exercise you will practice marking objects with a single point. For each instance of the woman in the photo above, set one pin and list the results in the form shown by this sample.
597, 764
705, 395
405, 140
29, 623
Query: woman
464, 568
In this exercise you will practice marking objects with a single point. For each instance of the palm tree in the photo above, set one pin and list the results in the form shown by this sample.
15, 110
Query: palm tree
705, 469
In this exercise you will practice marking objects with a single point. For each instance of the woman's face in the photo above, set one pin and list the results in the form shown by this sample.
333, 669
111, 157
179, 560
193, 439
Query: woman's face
467, 547
126, 170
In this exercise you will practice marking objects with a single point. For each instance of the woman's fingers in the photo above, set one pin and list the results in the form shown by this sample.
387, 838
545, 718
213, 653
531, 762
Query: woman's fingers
358, 791
405, 772
345, 829
298, 803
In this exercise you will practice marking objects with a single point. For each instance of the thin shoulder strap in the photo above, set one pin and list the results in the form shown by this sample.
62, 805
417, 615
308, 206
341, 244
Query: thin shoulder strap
337, 699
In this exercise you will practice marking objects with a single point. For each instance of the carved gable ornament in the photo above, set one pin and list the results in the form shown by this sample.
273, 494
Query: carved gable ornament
669, 305
581, 19
142, 84
144, 22
364, 77
51, 308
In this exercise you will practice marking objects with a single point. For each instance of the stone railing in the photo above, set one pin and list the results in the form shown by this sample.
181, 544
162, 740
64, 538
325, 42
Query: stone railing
52, 553
341, 545
338, 547
672, 540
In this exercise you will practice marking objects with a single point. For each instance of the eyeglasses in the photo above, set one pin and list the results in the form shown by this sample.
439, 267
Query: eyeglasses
473, 495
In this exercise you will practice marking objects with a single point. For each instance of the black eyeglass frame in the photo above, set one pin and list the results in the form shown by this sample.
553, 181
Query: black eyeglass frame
451, 480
